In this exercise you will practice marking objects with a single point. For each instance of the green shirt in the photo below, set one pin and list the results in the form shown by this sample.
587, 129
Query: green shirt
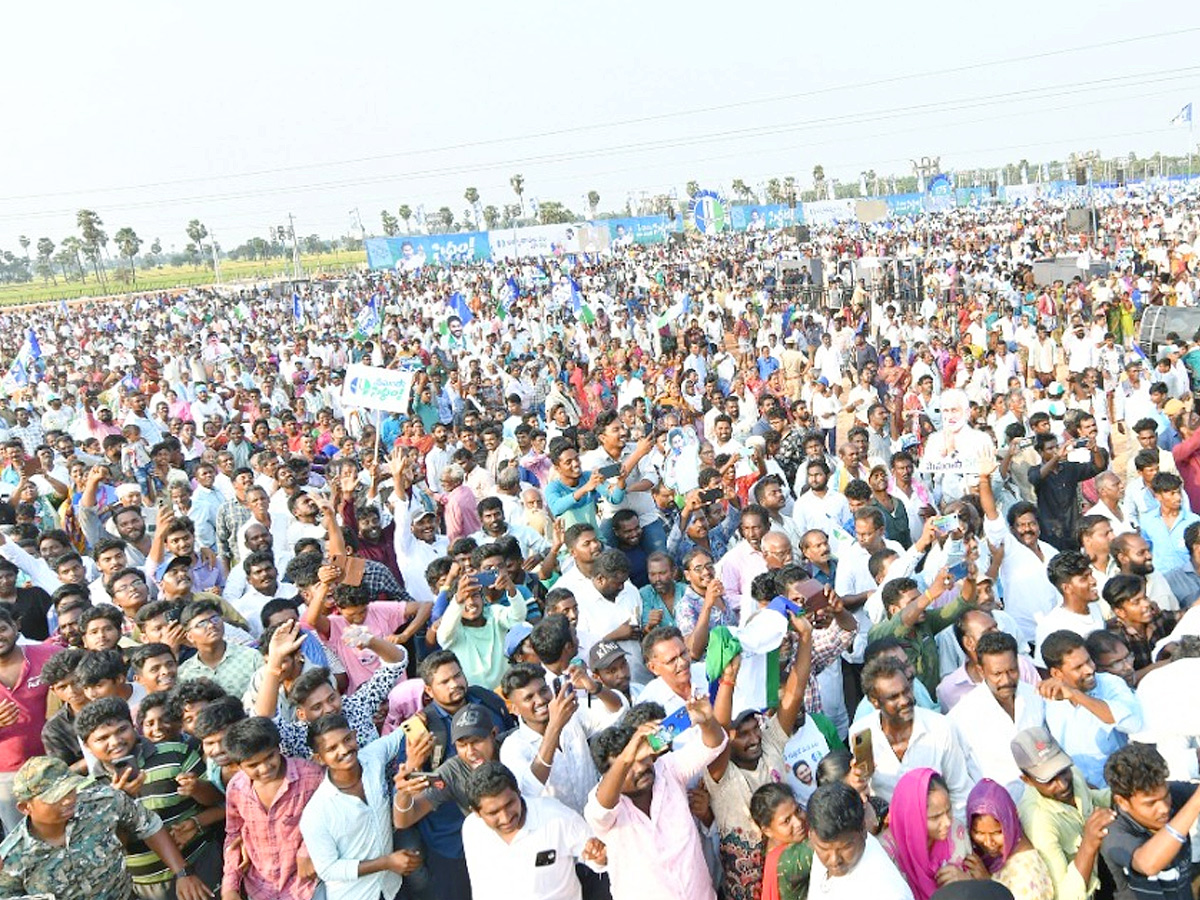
1056, 830
91, 863
919, 641
233, 672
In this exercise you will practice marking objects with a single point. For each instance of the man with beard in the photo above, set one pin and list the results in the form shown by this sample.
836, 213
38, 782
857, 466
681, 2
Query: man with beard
1091, 715
441, 828
955, 442
1071, 574
535, 841
989, 716
906, 737
1027, 590
1133, 556
659, 856
1063, 818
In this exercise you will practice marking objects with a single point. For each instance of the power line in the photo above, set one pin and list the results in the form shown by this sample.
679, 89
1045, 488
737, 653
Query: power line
639, 120
860, 118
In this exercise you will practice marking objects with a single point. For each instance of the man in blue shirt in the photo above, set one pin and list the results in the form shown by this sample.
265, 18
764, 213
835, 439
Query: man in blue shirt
1091, 715
1164, 527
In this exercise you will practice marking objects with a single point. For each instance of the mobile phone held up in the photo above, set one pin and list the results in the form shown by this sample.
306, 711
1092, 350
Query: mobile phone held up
610, 471
669, 729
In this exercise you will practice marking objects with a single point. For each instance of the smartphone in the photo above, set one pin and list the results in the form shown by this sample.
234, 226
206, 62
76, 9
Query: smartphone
486, 578
814, 597
125, 764
354, 568
1080, 443
610, 471
945, 524
864, 753
712, 495
413, 728
438, 784
1024, 443
958, 571
669, 729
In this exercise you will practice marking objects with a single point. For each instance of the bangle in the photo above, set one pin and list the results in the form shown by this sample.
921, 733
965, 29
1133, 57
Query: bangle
1182, 838
538, 756
411, 804
729, 681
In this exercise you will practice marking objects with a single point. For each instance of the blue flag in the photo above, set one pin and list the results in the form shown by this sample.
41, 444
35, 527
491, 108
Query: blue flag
35, 349
458, 303
297, 311
576, 296
368, 318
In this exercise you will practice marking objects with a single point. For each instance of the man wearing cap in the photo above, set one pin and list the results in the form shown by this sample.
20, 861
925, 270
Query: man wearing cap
474, 735
610, 666
68, 844
1063, 818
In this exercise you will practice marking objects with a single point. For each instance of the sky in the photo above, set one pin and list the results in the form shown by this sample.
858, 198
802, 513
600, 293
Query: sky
240, 114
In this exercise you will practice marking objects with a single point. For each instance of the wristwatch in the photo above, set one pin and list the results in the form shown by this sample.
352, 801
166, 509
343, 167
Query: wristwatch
186, 873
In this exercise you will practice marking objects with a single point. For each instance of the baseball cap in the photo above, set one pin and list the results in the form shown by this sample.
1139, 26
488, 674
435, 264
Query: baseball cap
47, 779
1173, 407
1038, 754
743, 716
515, 636
604, 654
470, 721
175, 562
823, 380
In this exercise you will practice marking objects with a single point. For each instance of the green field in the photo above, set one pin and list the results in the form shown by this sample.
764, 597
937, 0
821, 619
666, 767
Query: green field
168, 277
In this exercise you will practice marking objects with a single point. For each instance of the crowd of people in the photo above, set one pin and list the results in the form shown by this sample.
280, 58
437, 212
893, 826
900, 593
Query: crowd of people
668, 584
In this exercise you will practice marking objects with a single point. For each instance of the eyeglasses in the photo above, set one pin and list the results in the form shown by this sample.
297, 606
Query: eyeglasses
211, 623
702, 567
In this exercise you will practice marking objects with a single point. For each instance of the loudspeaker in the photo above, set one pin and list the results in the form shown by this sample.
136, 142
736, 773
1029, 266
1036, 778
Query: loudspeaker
801, 233
1081, 221
676, 239
1080, 175
1120, 177
993, 188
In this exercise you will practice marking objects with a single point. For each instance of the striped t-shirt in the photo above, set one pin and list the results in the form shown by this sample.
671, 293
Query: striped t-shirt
160, 794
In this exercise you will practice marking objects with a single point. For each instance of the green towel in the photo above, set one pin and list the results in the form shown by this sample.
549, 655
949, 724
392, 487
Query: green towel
722, 648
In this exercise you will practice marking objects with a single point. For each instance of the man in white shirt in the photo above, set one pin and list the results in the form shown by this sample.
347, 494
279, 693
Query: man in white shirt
1071, 574
991, 714
905, 737
848, 863
523, 846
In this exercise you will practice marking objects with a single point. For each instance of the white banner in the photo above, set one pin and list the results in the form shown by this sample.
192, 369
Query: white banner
372, 387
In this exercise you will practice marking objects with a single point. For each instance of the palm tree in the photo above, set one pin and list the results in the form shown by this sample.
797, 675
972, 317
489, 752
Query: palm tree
789, 190
593, 198
405, 213
819, 180
128, 243
491, 217
45, 255
518, 185
446, 217
471, 195
390, 226
69, 252
94, 238
692, 188
774, 190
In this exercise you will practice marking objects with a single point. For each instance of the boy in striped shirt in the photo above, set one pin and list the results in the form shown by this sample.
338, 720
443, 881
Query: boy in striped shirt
165, 778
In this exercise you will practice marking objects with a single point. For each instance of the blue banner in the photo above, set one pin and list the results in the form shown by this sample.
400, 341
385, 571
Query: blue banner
427, 250
638, 230
906, 204
763, 218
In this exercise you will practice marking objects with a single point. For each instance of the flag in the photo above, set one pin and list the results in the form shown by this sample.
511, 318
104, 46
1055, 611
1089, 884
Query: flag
297, 310
586, 316
576, 294
367, 320
35, 349
62, 307
458, 304
241, 311
19, 372
1184, 116
506, 299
